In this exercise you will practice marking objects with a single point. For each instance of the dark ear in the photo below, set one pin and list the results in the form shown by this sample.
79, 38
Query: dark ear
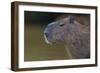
71, 19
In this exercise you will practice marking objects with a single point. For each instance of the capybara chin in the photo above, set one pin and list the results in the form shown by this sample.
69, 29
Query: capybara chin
74, 36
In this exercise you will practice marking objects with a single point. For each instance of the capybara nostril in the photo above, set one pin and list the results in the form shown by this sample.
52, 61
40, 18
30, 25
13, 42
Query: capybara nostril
46, 34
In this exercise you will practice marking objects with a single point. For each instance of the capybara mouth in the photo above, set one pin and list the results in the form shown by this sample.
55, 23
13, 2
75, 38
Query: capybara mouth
47, 40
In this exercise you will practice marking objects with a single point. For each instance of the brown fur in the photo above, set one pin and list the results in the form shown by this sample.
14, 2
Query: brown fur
73, 32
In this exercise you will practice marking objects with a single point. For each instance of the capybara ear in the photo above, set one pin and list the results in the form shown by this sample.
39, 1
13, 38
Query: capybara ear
71, 19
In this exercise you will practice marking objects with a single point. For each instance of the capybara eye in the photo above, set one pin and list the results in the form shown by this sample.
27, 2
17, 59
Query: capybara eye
61, 24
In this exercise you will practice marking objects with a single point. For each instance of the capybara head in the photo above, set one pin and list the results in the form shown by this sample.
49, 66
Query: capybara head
62, 30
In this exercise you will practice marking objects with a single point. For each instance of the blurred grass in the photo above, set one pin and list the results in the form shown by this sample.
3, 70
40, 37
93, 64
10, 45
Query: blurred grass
36, 49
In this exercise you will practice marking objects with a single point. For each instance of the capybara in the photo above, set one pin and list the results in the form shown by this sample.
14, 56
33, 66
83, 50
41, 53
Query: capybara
74, 35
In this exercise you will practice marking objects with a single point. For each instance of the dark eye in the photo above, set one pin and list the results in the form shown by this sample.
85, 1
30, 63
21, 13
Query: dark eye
61, 24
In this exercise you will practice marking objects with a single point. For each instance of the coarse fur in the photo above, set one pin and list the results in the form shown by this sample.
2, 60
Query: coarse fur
74, 36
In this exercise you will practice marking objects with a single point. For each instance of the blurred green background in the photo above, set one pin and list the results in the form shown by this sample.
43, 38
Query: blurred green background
36, 49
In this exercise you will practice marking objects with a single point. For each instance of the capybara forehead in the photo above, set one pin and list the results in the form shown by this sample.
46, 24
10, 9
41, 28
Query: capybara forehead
57, 22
